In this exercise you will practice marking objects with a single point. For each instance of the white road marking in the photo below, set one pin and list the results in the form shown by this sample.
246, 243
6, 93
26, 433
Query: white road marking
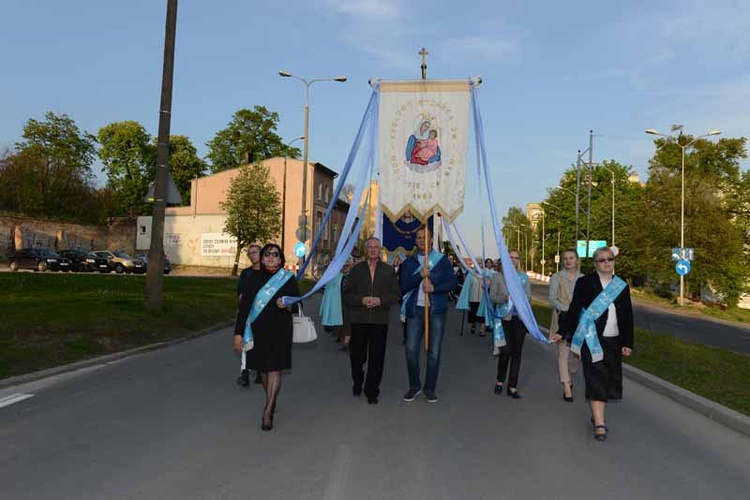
14, 398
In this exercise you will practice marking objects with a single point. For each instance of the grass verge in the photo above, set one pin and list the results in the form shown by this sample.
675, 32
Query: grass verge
52, 319
719, 375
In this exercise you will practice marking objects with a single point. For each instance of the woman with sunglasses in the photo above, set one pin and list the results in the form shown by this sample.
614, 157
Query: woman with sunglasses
263, 327
560, 294
599, 327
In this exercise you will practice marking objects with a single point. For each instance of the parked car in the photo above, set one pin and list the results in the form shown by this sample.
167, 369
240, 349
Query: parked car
38, 259
84, 261
167, 264
120, 262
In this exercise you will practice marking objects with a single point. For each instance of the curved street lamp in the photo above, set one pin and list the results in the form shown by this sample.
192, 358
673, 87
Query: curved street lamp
682, 196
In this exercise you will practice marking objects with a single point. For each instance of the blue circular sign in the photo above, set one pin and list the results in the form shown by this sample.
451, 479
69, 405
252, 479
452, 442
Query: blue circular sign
300, 250
682, 267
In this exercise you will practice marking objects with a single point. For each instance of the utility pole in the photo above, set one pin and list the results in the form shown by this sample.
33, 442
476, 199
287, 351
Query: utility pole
155, 269
588, 175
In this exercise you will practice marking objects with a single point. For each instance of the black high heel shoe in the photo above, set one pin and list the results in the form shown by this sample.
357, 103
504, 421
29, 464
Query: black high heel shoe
498, 390
266, 426
513, 393
568, 399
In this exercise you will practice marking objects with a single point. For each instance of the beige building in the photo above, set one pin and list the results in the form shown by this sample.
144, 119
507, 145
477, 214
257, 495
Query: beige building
193, 235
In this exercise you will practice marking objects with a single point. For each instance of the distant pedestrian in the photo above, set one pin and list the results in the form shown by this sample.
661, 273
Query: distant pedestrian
599, 327
253, 253
513, 328
371, 289
263, 327
560, 294
425, 282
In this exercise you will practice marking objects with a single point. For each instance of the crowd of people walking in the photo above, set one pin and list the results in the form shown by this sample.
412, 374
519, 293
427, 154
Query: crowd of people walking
592, 321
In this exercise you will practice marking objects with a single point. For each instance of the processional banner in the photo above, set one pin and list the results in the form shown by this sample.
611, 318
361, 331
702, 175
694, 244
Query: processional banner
423, 147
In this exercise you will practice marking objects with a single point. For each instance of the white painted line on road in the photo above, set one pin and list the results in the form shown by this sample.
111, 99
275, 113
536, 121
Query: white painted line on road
14, 398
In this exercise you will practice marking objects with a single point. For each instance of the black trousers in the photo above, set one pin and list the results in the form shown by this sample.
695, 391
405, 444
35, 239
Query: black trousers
515, 333
367, 344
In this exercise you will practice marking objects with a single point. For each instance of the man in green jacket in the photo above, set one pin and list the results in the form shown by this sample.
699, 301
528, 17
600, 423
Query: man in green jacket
369, 293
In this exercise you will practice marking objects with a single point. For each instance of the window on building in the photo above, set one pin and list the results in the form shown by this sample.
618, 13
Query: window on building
320, 191
143, 229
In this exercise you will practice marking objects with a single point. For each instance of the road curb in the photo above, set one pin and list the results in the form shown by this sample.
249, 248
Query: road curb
710, 409
107, 358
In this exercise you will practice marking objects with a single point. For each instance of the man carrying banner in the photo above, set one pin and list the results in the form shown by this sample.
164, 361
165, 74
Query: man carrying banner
425, 283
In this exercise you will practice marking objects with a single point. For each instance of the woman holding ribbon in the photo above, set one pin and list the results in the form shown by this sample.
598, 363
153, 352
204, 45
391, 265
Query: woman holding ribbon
263, 328
560, 294
599, 327
510, 334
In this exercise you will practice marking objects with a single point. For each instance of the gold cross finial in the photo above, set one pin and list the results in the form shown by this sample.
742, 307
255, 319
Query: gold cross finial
424, 55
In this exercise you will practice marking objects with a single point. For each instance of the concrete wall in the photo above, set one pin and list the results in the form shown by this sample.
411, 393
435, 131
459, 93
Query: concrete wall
25, 232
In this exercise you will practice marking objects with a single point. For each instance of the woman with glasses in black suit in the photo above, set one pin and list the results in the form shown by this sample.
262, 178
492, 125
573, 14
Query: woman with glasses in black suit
270, 324
599, 326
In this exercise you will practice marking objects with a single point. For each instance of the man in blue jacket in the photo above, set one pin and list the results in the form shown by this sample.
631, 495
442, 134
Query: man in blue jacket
421, 282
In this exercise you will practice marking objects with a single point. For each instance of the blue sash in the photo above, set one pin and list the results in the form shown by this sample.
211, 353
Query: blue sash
463, 298
484, 301
262, 298
500, 311
433, 260
330, 306
586, 331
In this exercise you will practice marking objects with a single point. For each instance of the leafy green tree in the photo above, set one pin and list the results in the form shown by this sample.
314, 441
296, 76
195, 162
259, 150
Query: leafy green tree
712, 175
49, 172
250, 131
253, 208
129, 158
518, 234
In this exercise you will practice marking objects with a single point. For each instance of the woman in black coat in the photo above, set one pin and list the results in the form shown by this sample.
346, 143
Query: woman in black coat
272, 329
614, 330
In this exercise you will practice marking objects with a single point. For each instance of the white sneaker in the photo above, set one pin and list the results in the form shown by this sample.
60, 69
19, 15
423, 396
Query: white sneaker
496, 351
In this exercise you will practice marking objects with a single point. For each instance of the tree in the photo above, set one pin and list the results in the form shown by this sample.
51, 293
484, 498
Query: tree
253, 208
129, 158
249, 132
49, 172
712, 175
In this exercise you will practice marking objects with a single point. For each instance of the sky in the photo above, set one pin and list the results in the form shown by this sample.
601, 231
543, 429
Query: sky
552, 71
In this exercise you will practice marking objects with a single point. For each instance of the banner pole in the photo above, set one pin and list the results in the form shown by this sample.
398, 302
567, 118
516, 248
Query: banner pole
427, 248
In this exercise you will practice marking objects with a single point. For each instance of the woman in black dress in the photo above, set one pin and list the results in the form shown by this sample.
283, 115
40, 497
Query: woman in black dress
272, 329
614, 331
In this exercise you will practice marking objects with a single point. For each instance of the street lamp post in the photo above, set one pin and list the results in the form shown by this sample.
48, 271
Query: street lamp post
306, 136
613, 203
682, 196
544, 216
283, 195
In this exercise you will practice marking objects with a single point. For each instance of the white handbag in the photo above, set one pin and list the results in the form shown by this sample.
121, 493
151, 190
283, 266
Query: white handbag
304, 328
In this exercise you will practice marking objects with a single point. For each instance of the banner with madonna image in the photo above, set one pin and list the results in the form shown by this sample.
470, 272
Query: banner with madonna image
423, 147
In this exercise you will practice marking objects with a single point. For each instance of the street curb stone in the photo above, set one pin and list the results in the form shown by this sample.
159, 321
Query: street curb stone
107, 358
719, 413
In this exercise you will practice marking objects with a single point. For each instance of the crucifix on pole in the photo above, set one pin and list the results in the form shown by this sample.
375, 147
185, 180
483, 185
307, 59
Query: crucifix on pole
424, 55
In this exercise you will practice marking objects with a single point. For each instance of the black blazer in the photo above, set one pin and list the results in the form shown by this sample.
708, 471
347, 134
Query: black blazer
586, 290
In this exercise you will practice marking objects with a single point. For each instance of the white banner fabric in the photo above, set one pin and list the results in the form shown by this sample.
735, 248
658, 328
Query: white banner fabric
423, 147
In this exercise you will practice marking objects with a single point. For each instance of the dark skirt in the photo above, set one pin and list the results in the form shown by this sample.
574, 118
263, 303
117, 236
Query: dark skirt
272, 350
473, 308
604, 378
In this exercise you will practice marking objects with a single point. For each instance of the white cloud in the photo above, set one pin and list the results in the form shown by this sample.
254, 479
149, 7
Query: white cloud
483, 47
366, 8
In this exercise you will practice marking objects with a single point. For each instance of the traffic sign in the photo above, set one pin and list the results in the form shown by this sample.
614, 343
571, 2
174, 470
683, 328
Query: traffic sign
557, 259
300, 250
615, 250
683, 253
302, 233
682, 267
542, 262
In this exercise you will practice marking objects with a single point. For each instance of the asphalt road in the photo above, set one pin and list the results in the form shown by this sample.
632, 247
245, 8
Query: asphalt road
172, 424
701, 329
